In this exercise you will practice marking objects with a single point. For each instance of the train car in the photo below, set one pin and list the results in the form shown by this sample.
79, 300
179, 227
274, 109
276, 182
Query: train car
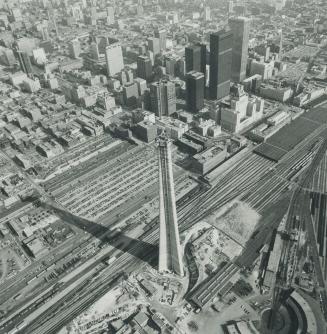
18, 328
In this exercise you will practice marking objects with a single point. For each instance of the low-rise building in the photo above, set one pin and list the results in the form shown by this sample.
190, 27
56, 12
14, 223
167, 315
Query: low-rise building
173, 127
146, 131
277, 93
209, 159
243, 111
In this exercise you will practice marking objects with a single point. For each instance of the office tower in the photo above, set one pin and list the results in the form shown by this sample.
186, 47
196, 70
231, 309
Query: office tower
220, 63
144, 67
93, 12
126, 76
39, 56
203, 60
195, 58
103, 41
192, 58
154, 45
142, 49
162, 35
207, 14
52, 20
280, 44
130, 94
170, 252
94, 51
140, 10
181, 68
163, 98
74, 48
171, 64
8, 57
114, 59
77, 12
44, 31
25, 62
110, 15
150, 55
141, 85
240, 27
194, 91
230, 7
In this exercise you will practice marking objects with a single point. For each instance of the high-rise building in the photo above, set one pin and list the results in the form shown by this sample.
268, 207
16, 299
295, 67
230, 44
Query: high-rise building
114, 59
110, 15
144, 67
163, 98
154, 45
162, 35
74, 48
25, 62
130, 94
126, 76
207, 14
170, 252
220, 63
192, 58
240, 27
194, 91
7, 57
171, 63
139, 10
195, 58
94, 51
230, 7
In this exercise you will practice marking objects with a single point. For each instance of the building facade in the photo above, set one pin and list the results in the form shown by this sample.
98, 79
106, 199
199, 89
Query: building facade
220, 64
114, 59
194, 91
240, 27
163, 98
144, 67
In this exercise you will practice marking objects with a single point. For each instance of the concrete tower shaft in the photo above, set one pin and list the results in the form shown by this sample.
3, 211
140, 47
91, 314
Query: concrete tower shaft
170, 253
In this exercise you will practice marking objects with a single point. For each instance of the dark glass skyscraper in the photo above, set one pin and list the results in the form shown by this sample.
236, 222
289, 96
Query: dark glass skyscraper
195, 58
220, 63
194, 91
240, 27
144, 67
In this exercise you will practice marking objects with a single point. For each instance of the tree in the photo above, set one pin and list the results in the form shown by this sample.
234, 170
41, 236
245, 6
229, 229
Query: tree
193, 326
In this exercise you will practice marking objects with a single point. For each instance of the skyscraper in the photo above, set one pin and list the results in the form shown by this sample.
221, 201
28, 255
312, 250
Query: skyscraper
207, 13
195, 58
194, 91
114, 59
240, 27
220, 63
144, 67
162, 35
25, 62
163, 98
154, 45
74, 48
170, 252
110, 15
192, 58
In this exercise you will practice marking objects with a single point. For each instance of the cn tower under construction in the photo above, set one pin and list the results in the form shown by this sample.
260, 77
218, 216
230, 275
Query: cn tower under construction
170, 253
